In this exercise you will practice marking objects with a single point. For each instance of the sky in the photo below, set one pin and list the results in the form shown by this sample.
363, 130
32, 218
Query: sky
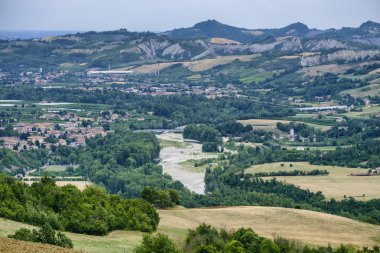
163, 15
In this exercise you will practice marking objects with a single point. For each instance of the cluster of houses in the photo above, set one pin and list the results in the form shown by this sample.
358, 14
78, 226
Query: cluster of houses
47, 134
29, 77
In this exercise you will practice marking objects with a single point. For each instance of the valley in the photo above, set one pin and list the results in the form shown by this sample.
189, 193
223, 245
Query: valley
202, 139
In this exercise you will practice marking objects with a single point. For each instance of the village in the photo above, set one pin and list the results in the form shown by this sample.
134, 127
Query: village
71, 130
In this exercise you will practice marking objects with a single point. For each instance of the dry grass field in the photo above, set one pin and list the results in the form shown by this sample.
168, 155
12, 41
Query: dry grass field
199, 65
224, 41
270, 124
306, 226
322, 69
205, 64
335, 185
152, 68
8, 245
117, 241
81, 185
304, 54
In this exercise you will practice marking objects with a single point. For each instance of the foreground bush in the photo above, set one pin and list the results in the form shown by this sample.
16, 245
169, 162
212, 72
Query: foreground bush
158, 244
91, 211
45, 235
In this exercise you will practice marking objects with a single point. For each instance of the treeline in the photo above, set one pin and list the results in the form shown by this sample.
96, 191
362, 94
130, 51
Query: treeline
291, 173
91, 211
207, 239
32, 159
363, 154
348, 132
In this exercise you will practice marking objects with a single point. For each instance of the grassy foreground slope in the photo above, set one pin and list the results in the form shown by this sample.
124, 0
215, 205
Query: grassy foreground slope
306, 226
8, 245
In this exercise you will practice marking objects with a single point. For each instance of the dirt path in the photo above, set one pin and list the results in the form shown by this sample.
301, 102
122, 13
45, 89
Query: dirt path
171, 157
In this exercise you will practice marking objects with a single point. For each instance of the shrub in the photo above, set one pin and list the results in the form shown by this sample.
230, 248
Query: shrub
46, 235
158, 244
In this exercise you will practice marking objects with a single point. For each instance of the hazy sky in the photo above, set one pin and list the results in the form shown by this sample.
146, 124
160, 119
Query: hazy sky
161, 15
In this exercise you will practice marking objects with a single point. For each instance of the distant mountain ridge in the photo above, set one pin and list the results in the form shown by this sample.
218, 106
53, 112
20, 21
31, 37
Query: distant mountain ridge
213, 28
204, 40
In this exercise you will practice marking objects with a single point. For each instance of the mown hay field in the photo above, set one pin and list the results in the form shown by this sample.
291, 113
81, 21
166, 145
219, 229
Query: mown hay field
336, 184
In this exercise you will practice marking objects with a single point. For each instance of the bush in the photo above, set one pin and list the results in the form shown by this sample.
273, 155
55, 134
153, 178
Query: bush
46, 235
158, 244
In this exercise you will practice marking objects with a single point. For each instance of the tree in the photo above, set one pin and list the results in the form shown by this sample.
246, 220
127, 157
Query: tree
234, 247
157, 244
267, 246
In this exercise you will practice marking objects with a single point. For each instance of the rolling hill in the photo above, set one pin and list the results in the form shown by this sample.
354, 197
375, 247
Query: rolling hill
305, 226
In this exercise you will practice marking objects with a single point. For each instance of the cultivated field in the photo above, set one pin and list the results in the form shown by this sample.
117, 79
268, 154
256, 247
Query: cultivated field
306, 226
55, 168
152, 68
198, 65
224, 41
81, 185
270, 124
322, 69
335, 185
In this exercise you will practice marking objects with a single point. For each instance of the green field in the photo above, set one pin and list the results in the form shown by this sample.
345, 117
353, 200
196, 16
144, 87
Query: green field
172, 143
370, 90
256, 78
189, 165
365, 113
335, 185
55, 168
